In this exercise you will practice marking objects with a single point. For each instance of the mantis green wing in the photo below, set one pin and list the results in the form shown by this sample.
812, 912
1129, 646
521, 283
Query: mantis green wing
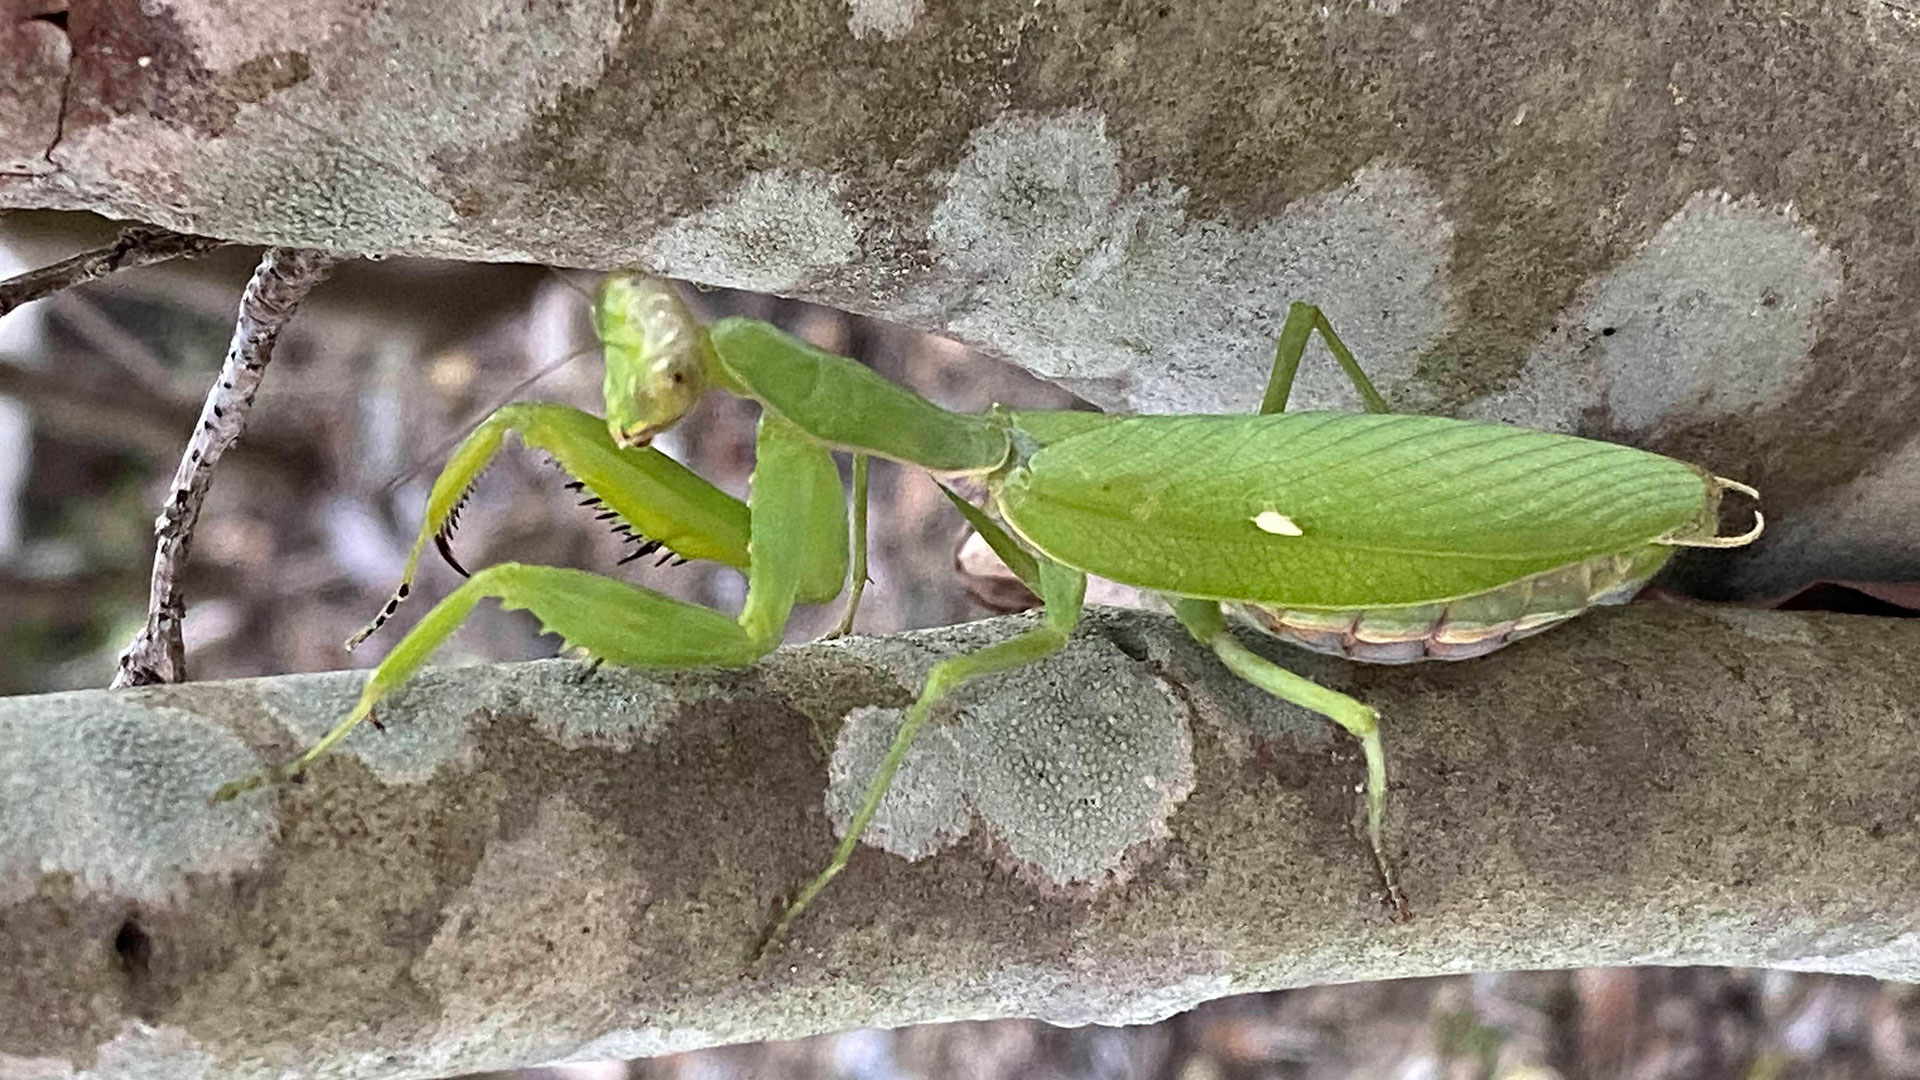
1342, 510
1362, 532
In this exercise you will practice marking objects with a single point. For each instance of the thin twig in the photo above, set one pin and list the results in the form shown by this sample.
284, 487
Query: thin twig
139, 245
114, 345
158, 654
83, 408
83, 412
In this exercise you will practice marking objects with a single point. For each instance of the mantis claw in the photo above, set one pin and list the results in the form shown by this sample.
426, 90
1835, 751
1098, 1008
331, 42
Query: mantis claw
444, 543
233, 789
762, 943
1397, 905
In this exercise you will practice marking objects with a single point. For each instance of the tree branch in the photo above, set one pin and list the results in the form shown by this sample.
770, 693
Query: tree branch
1064, 194
285, 276
530, 865
139, 245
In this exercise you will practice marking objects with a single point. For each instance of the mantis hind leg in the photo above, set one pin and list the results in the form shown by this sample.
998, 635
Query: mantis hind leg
1063, 592
857, 579
1302, 320
1204, 621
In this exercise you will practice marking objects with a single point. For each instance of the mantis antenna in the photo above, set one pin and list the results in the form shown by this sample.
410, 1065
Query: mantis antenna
1745, 538
571, 284
466, 429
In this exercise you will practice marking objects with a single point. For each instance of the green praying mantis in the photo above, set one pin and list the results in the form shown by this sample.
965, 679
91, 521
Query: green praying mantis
1384, 537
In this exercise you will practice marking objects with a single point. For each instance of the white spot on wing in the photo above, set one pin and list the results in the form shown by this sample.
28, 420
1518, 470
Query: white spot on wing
1275, 522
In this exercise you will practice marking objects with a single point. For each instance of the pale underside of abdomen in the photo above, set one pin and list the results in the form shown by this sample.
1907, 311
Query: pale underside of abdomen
1468, 626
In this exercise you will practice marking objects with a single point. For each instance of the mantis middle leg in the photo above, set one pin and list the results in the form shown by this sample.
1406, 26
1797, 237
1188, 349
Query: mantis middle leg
857, 577
1062, 591
1204, 620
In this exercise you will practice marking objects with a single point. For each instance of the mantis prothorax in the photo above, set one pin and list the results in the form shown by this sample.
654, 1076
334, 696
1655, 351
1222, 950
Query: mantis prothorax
1382, 537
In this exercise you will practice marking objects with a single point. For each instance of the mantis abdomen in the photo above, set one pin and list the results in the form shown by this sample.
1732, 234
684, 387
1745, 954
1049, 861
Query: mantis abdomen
1467, 626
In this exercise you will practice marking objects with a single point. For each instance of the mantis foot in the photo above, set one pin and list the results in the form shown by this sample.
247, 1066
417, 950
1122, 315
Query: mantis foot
1399, 909
233, 789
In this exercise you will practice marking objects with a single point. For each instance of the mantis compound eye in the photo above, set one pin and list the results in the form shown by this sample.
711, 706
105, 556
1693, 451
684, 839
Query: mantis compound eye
657, 354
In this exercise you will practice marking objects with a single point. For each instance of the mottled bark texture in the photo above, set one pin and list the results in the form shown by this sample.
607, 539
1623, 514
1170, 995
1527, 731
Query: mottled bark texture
531, 866
1678, 225
1681, 226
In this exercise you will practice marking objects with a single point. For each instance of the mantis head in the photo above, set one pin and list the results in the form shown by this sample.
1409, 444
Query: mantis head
659, 361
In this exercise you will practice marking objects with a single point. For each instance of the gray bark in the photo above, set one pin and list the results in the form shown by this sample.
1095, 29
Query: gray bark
528, 866
1680, 228
1679, 225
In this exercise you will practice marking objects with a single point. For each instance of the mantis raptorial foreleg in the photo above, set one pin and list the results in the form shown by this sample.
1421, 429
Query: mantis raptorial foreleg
1062, 591
798, 536
653, 494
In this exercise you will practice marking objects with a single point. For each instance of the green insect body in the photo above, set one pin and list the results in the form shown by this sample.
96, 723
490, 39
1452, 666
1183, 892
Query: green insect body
1475, 535
1383, 537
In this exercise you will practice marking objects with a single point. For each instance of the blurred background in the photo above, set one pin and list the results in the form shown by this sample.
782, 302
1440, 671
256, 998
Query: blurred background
310, 518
